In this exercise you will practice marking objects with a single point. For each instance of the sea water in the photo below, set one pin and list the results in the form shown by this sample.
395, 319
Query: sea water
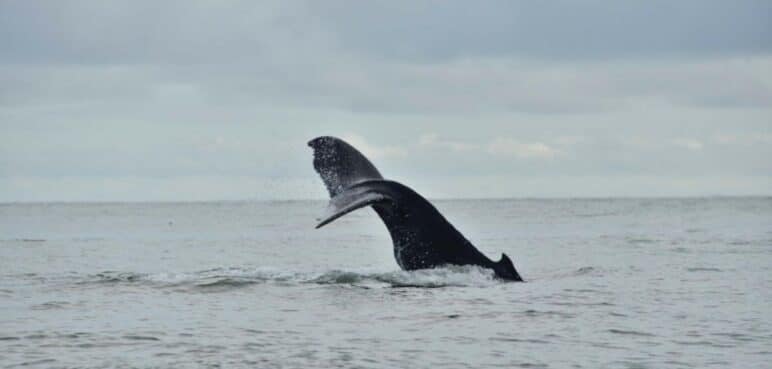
611, 283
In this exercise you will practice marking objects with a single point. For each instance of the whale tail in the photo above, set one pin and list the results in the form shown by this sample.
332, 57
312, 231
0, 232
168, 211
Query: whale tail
422, 237
352, 198
505, 269
344, 171
340, 165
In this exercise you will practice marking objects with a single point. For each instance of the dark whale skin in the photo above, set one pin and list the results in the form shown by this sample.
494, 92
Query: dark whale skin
421, 235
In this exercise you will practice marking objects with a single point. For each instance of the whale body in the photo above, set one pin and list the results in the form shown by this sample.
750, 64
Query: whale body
422, 237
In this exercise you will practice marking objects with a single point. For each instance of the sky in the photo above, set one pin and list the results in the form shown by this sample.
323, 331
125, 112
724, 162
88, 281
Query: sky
215, 100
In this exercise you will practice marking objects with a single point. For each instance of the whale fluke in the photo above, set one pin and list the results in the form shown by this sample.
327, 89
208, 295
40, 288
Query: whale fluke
340, 165
422, 237
348, 201
506, 269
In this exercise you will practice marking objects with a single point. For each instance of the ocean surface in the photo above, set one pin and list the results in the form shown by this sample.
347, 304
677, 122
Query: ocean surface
611, 283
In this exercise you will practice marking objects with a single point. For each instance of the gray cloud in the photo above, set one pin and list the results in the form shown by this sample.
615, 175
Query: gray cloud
552, 30
141, 32
196, 32
194, 100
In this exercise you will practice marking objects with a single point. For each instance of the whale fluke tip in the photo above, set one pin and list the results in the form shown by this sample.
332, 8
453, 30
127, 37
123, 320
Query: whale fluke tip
506, 269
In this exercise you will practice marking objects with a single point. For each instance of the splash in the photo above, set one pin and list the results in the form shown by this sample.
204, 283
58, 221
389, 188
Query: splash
238, 277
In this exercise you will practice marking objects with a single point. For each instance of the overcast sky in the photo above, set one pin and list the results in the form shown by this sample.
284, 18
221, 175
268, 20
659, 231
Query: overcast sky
205, 100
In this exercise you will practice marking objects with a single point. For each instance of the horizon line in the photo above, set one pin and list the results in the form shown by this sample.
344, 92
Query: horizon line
625, 197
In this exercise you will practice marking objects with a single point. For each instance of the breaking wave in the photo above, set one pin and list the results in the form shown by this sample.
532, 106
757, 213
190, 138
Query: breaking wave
229, 278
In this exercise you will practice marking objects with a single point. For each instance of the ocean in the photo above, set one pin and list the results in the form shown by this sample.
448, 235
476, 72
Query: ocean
610, 283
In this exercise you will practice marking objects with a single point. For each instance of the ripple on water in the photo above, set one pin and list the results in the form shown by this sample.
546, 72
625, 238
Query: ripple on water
141, 338
600, 303
703, 343
630, 332
681, 250
548, 313
115, 277
703, 269
51, 305
641, 240
583, 271
519, 340
736, 336
531, 365
33, 363
338, 277
224, 279
225, 283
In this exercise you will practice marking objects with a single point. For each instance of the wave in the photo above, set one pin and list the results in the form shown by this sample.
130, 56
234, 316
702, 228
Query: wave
579, 272
236, 277
218, 279
33, 240
703, 269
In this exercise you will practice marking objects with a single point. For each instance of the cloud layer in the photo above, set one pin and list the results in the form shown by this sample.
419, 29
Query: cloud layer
135, 100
